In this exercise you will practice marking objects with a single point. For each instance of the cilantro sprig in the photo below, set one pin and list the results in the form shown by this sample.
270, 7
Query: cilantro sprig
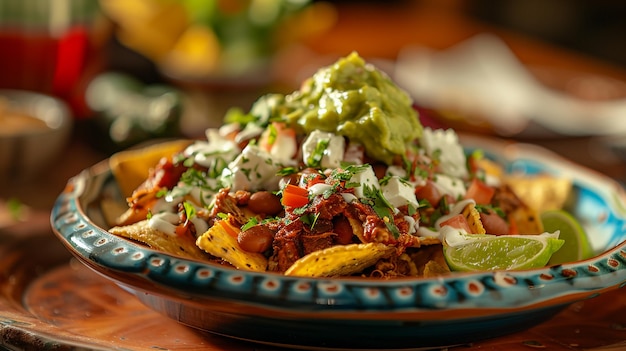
374, 197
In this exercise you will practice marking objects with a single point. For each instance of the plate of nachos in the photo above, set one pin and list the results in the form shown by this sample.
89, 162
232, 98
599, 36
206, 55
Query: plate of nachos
330, 218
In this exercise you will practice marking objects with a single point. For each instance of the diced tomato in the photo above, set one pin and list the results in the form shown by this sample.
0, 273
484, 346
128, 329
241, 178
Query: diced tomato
473, 163
459, 222
229, 228
314, 179
167, 174
294, 196
429, 192
480, 192
270, 136
182, 229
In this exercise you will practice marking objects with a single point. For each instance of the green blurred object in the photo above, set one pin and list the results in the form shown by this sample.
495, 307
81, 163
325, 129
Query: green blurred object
129, 112
244, 28
209, 40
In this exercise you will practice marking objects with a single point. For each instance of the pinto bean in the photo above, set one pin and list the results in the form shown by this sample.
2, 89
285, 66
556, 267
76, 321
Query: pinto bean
264, 202
257, 238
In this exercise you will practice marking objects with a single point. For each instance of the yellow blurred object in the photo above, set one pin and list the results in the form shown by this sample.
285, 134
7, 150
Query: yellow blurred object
197, 52
315, 19
220, 39
541, 192
221, 241
150, 27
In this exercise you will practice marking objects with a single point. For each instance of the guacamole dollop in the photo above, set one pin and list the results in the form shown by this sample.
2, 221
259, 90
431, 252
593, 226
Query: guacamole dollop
350, 98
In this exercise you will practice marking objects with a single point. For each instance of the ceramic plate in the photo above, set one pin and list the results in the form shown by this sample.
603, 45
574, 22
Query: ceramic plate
353, 313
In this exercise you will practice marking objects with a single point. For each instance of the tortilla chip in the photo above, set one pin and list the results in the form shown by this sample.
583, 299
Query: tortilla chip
472, 216
542, 192
131, 167
339, 260
430, 261
429, 240
221, 241
419, 241
357, 228
435, 269
526, 220
179, 245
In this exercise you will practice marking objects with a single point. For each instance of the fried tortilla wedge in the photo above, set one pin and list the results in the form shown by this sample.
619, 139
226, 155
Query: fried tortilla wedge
221, 241
472, 216
339, 260
131, 167
435, 269
430, 261
180, 245
526, 220
541, 192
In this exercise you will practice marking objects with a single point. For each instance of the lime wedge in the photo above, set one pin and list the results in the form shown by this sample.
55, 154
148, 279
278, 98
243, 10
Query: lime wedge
490, 252
576, 245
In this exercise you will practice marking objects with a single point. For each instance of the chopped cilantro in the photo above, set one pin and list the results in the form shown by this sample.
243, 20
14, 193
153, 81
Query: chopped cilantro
384, 180
310, 219
411, 209
423, 203
287, 171
179, 158
315, 159
190, 209
189, 161
273, 134
300, 210
347, 171
236, 115
251, 223
381, 206
246, 172
490, 209
436, 155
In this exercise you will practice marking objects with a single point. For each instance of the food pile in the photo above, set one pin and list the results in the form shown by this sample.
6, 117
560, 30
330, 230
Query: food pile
338, 178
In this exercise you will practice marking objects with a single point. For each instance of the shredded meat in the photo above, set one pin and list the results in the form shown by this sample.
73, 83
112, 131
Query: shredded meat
394, 267
225, 203
506, 199
316, 242
329, 207
286, 246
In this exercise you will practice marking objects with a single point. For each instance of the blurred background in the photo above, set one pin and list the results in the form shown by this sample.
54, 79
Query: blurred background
550, 72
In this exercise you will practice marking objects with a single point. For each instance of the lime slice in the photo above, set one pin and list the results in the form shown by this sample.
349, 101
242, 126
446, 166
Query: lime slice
576, 245
490, 252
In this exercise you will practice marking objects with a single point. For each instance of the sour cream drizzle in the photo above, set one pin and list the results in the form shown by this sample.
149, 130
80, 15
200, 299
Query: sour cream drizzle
165, 222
